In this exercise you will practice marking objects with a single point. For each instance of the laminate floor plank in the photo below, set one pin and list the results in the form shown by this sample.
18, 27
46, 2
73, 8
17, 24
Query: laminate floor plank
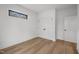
47, 48
41, 46
37, 47
30, 48
24, 47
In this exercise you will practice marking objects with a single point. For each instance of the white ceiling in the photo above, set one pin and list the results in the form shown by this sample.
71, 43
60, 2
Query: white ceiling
42, 7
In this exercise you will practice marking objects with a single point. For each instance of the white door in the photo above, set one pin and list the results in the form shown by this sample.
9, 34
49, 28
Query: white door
70, 29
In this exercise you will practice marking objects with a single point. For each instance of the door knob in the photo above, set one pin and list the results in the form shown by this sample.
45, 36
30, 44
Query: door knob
44, 28
64, 29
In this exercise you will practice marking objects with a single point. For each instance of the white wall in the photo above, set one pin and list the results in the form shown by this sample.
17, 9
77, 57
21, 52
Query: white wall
78, 29
15, 30
47, 21
60, 15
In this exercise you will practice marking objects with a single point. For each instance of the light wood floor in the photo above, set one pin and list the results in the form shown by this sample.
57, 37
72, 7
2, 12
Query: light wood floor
41, 46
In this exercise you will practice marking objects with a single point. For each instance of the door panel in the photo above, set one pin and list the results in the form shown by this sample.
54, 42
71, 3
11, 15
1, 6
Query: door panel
70, 29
